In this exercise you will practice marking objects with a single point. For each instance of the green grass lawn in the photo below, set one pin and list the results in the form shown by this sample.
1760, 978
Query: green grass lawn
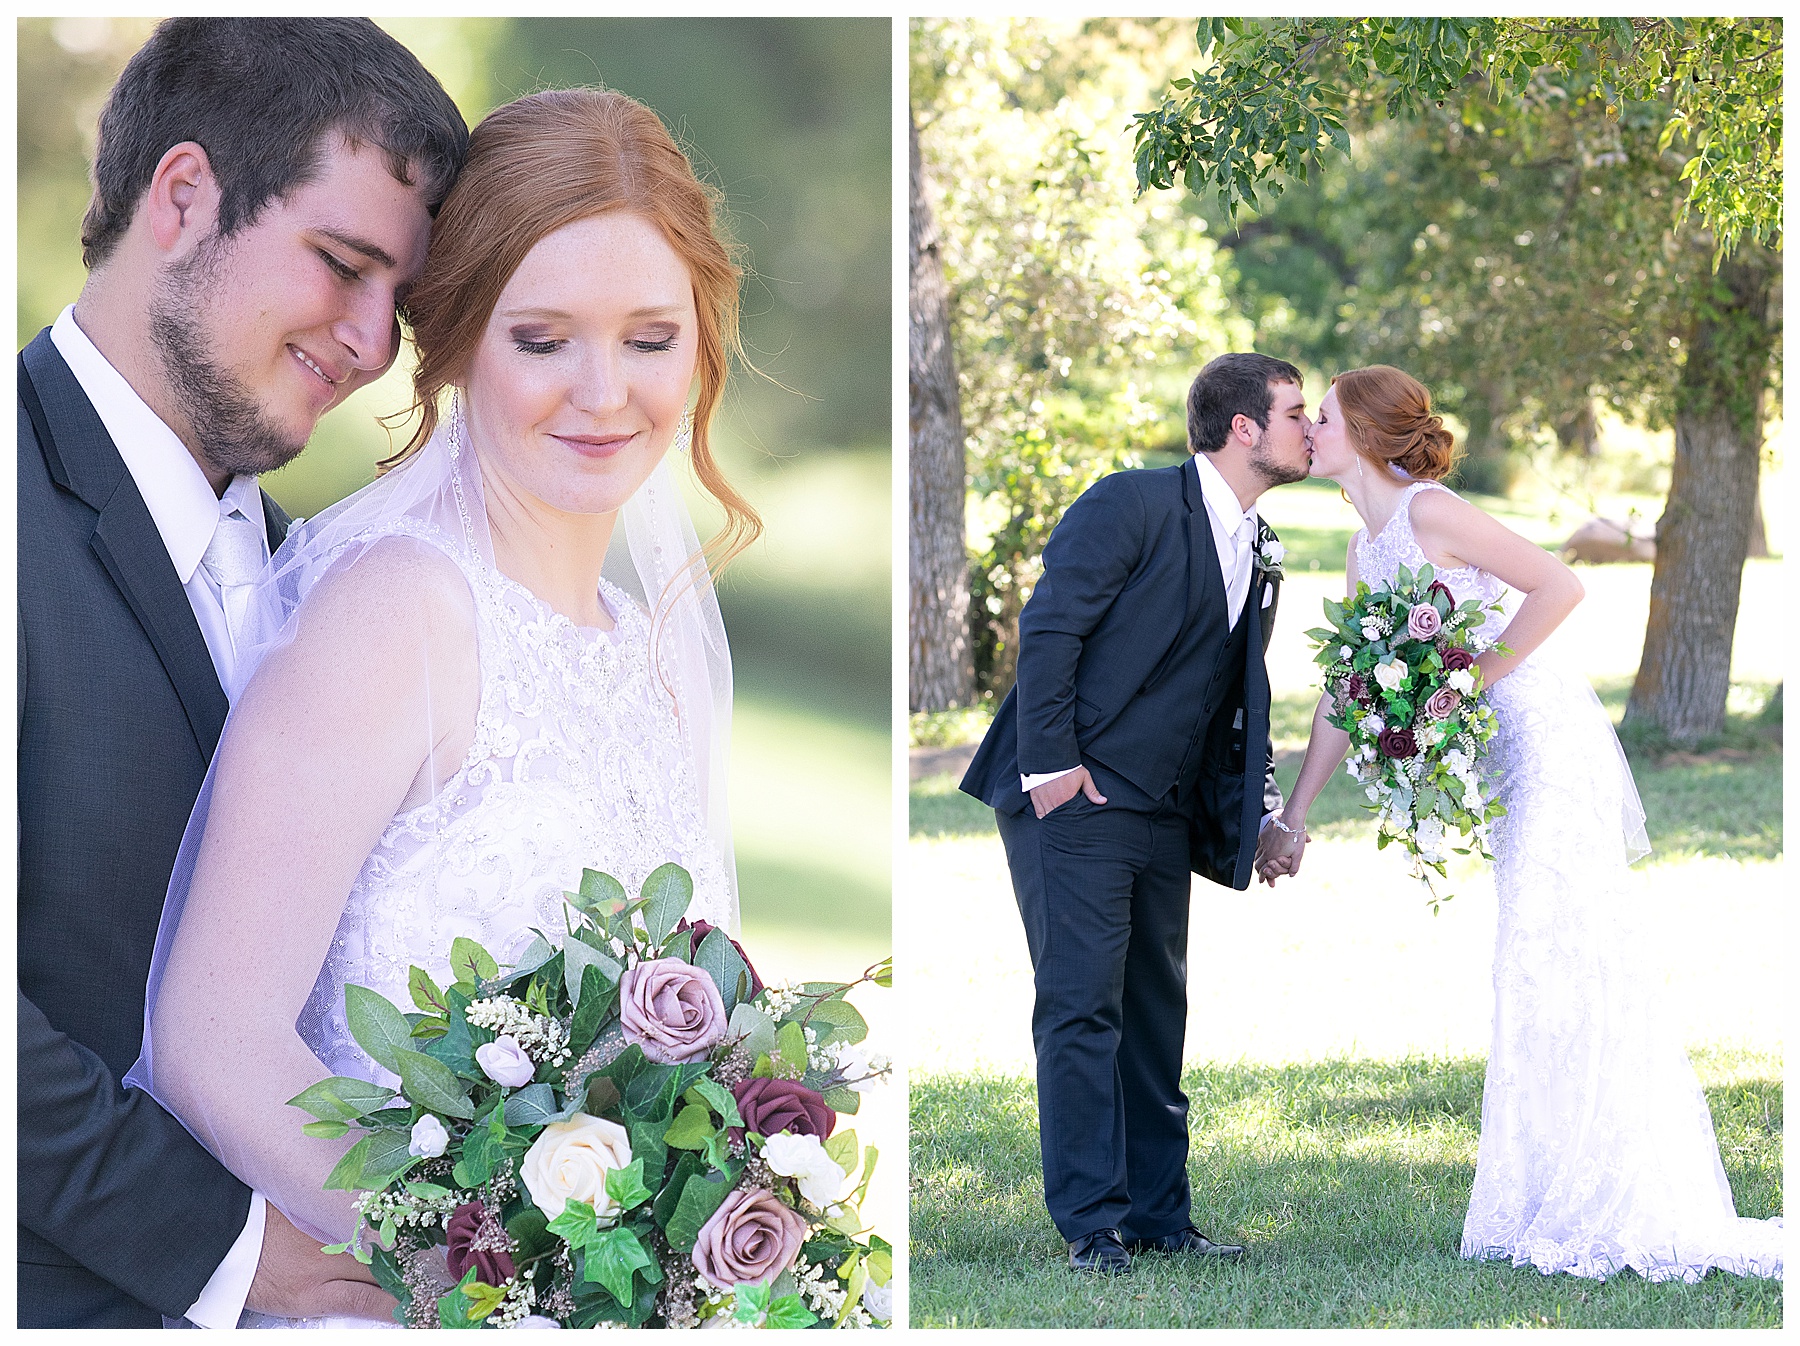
1348, 1181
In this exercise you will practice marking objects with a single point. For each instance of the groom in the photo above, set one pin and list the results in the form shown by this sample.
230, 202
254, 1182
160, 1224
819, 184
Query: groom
263, 190
1133, 750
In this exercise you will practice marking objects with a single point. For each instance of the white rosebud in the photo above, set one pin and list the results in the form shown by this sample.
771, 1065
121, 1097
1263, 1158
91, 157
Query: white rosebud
505, 1062
879, 1301
429, 1139
1346, 653
804, 1159
1463, 681
1274, 551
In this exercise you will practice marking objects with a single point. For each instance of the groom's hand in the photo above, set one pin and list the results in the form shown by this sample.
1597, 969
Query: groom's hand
1054, 794
296, 1278
1278, 852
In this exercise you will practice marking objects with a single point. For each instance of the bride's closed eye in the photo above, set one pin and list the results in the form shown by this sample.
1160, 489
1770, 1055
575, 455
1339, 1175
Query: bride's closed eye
526, 346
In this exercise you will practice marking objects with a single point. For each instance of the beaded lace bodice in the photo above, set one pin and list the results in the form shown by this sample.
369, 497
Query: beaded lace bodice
577, 761
1597, 1150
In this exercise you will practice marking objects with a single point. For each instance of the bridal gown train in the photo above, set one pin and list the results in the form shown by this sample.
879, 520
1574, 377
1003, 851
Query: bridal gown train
1597, 1150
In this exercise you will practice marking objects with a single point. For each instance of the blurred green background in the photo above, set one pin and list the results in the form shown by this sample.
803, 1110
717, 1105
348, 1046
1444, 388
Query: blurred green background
790, 119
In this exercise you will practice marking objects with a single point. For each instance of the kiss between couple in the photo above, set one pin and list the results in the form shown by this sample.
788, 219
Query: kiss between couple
432, 707
1135, 748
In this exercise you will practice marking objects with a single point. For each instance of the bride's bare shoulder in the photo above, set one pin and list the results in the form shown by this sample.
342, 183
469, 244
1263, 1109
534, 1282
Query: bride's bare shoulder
395, 587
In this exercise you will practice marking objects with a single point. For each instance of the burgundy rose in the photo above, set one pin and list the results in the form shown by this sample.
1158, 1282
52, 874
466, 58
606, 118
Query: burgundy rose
1442, 703
671, 1009
1398, 743
1359, 689
750, 1240
476, 1238
770, 1107
1456, 657
1423, 622
701, 930
1439, 587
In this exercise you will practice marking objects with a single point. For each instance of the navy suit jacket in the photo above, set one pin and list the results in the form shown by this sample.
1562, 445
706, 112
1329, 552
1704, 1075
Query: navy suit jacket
123, 1216
1129, 569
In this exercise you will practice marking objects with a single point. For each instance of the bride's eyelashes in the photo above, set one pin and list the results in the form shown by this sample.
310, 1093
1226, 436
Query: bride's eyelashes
526, 346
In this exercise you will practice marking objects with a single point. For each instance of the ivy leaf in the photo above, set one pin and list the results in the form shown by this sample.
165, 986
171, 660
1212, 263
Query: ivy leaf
626, 1185
379, 1029
691, 1129
752, 1303
613, 1257
789, 1311
484, 1298
591, 1006
717, 1097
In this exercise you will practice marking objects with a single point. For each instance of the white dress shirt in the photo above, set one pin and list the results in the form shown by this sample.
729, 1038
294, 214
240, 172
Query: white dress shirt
185, 511
1234, 540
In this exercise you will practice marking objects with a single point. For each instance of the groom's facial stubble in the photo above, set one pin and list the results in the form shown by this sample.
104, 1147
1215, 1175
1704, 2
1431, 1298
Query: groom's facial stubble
1281, 454
259, 334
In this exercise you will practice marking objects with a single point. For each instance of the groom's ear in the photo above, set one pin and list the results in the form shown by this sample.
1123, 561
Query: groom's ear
181, 208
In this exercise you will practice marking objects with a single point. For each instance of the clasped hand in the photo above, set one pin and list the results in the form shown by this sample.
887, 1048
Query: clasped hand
1278, 851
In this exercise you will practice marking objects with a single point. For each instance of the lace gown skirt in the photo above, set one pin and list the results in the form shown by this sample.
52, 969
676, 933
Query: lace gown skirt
1597, 1149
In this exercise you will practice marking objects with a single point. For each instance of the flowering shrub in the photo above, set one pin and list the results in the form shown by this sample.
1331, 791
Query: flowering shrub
1399, 664
630, 1130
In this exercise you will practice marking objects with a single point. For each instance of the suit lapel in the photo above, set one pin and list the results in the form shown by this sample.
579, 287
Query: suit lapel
1206, 587
85, 463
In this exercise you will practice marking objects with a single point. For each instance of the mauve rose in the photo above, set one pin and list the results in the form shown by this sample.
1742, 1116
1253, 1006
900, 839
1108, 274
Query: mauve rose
1442, 703
492, 1265
671, 1009
750, 1240
772, 1106
1423, 622
1456, 657
701, 930
1398, 743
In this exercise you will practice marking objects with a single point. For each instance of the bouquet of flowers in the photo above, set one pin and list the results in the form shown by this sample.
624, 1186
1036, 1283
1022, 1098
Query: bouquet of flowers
630, 1130
1400, 665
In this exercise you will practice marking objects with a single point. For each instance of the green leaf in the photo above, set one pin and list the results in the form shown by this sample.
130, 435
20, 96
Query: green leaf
578, 956
702, 1195
751, 1303
576, 1225
454, 1305
533, 1105
601, 894
717, 1097
664, 1207
373, 1162
593, 1005
840, 1148
425, 993
341, 1099
626, 1185
379, 1029
471, 963
483, 1298
791, 1047
613, 1257
789, 1311
326, 1130
691, 1129
432, 1084
755, 1028
669, 890
724, 965
840, 1099
838, 1021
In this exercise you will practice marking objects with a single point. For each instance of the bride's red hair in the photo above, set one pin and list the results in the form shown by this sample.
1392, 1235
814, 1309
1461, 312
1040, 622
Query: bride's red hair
550, 160
1388, 419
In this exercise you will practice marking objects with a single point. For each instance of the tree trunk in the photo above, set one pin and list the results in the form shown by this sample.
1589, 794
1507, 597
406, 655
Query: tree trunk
1704, 533
941, 662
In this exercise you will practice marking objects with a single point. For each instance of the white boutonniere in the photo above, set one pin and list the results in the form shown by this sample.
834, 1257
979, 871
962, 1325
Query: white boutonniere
1270, 553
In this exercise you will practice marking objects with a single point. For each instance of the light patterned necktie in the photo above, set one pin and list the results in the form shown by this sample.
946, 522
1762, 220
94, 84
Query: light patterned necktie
1243, 541
233, 559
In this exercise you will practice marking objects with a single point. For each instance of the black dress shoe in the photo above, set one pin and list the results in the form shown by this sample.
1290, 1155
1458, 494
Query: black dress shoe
1100, 1253
1189, 1242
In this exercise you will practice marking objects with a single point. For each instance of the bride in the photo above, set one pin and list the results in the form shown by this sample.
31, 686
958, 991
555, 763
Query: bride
1597, 1150
469, 681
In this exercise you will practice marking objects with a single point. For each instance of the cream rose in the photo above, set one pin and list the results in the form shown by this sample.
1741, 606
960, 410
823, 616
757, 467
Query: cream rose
568, 1162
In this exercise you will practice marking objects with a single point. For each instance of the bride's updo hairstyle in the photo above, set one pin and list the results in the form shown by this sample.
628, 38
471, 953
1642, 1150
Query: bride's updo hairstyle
550, 160
1388, 419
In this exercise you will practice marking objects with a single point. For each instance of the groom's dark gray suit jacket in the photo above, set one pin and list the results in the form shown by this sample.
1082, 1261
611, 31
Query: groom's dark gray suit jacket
1106, 677
123, 1217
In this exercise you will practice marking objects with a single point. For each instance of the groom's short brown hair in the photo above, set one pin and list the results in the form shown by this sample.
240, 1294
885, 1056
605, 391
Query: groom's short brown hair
260, 96
1235, 384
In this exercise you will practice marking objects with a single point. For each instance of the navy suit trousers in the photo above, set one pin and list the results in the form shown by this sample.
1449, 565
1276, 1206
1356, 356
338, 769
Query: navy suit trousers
1104, 892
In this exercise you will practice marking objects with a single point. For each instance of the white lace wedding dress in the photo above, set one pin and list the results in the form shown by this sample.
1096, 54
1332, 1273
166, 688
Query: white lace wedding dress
1597, 1150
